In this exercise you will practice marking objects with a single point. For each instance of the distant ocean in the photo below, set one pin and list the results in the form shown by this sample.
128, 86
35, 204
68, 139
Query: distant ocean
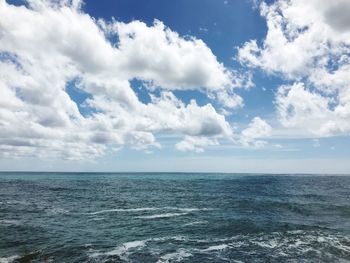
173, 217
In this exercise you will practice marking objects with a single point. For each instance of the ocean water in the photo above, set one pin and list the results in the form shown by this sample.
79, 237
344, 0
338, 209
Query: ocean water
145, 217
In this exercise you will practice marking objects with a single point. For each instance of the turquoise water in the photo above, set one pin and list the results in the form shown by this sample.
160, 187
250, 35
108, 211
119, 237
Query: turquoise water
144, 217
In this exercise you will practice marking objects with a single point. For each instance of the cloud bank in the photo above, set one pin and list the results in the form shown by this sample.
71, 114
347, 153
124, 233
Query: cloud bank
308, 45
49, 48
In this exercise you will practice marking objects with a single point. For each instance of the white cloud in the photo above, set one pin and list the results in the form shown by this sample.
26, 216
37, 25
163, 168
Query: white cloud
195, 144
250, 137
47, 45
229, 100
317, 115
296, 106
307, 42
257, 129
300, 37
161, 56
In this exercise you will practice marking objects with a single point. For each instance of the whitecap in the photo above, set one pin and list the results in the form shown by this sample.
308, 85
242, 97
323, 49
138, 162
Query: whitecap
9, 259
176, 238
174, 257
141, 209
98, 218
10, 222
125, 247
165, 215
94, 253
121, 251
266, 244
184, 209
196, 223
217, 247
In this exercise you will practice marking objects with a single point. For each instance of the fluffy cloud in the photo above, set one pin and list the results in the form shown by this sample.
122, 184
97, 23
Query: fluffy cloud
301, 37
195, 144
47, 47
298, 106
307, 42
257, 129
161, 56
301, 108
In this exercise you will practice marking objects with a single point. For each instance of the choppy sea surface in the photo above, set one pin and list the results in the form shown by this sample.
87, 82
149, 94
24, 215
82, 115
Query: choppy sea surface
173, 217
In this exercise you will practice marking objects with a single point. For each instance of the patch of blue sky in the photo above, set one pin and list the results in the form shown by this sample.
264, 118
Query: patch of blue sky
79, 97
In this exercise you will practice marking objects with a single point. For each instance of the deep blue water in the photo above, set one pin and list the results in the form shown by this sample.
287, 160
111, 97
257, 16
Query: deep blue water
77, 217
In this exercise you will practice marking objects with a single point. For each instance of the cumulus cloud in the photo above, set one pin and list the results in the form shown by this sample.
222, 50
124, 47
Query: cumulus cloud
257, 130
300, 37
301, 108
298, 106
308, 43
161, 56
48, 46
195, 144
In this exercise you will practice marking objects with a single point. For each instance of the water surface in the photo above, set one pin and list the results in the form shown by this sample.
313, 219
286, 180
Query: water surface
145, 217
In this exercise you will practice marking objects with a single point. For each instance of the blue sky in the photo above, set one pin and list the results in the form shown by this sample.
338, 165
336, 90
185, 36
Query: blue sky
292, 116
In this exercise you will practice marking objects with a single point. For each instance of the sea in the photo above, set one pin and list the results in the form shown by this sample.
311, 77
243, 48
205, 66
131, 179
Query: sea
174, 217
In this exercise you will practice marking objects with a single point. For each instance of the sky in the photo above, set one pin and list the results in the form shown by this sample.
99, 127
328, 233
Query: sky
188, 85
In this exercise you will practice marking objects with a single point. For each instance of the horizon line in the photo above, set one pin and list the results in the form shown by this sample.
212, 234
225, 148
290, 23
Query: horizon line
177, 172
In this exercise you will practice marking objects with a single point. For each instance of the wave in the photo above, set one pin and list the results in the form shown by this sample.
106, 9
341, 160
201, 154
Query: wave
125, 247
280, 245
196, 223
24, 258
121, 251
10, 222
143, 209
165, 215
9, 259
166, 238
57, 211
285, 244
98, 218
174, 257
217, 247
187, 209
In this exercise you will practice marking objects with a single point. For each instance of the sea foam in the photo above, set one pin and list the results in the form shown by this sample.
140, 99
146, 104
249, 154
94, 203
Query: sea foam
9, 259
165, 215
141, 209
174, 257
125, 247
